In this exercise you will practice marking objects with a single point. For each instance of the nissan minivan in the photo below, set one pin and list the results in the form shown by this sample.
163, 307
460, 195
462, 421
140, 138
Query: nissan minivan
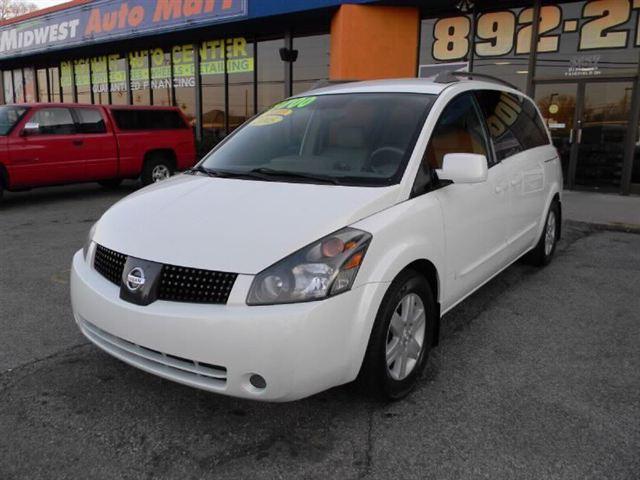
321, 243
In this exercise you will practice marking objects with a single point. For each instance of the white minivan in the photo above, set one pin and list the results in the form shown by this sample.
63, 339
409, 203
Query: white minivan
322, 242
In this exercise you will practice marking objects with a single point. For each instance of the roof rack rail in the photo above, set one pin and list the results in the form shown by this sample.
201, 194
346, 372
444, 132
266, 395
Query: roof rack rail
451, 76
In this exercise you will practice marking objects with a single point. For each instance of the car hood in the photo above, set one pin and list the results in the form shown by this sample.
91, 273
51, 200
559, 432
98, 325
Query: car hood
232, 225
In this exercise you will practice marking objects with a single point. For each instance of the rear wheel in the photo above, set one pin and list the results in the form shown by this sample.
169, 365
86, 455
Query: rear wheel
156, 169
401, 338
543, 252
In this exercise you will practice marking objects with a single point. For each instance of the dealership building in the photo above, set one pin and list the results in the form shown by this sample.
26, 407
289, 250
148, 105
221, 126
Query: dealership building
222, 61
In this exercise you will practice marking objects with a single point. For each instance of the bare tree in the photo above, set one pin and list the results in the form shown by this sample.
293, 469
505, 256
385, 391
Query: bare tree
14, 8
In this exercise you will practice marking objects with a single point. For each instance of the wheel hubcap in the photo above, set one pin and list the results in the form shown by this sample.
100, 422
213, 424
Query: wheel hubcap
405, 336
160, 172
550, 233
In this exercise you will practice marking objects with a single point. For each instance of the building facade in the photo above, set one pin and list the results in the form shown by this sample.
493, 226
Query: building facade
222, 61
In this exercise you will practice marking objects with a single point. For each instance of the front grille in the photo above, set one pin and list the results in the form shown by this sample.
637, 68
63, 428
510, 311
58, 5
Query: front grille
109, 264
177, 284
191, 372
181, 284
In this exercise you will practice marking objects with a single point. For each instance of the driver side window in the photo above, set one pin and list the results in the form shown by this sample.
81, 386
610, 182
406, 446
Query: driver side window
459, 130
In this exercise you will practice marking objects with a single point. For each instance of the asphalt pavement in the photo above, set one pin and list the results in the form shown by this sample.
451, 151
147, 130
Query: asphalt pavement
537, 376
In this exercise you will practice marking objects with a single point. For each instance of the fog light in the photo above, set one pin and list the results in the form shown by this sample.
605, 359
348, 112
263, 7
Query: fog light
258, 381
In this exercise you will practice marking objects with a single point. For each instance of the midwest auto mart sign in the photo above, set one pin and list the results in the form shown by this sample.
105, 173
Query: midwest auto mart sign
106, 20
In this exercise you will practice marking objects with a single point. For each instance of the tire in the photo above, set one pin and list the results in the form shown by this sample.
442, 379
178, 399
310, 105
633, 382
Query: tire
157, 168
385, 379
111, 183
543, 252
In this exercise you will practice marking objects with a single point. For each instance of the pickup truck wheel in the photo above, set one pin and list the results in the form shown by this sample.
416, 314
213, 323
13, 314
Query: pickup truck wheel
400, 339
543, 252
156, 169
111, 183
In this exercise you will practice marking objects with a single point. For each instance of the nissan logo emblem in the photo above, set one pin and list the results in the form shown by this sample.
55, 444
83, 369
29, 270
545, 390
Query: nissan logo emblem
135, 279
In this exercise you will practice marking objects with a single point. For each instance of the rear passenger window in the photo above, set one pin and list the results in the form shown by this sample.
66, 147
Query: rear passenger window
54, 121
91, 120
459, 130
513, 122
148, 119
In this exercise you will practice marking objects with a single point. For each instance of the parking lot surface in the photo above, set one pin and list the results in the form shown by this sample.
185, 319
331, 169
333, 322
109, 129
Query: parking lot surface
537, 376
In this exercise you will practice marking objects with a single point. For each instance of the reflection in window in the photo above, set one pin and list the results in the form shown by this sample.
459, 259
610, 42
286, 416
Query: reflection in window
240, 68
43, 94
83, 82
7, 80
100, 79
270, 74
184, 80
54, 83
118, 80
18, 86
139, 62
313, 62
161, 76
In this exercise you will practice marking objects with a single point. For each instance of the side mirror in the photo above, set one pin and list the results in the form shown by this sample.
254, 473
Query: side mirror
30, 128
464, 168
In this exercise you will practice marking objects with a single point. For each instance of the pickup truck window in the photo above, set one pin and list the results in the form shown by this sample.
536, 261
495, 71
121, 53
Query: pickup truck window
90, 120
148, 119
54, 121
9, 116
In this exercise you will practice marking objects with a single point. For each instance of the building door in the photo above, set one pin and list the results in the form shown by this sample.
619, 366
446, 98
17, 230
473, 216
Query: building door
589, 124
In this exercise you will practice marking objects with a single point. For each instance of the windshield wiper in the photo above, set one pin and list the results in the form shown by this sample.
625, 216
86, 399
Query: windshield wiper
269, 172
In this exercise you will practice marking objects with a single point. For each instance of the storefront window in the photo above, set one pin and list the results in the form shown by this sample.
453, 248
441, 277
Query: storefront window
212, 77
7, 80
270, 74
184, 80
313, 62
444, 44
66, 80
118, 79
588, 40
18, 86
240, 69
54, 83
83, 81
161, 76
43, 94
100, 79
29, 85
139, 61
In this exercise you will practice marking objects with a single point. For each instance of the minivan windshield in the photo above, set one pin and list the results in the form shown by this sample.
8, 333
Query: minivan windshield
9, 116
361, 139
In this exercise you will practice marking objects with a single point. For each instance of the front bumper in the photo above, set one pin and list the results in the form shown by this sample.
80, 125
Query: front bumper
299, 349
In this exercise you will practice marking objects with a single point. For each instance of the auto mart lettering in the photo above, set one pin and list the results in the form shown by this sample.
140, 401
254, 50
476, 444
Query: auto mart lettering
106, 19
108, 71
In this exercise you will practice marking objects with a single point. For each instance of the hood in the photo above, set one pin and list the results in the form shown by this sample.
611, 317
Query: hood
232, 225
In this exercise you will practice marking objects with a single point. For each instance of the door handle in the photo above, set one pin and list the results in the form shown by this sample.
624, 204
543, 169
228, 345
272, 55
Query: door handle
516, 181
571, 137
500, 188
78, 143
579, 136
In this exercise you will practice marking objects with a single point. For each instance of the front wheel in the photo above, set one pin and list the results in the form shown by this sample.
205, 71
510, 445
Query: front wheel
156, 169
401, 338
543, 252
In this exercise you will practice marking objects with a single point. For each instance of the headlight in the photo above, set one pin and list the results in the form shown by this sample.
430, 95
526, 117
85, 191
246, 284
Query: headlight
88, 240
320, 270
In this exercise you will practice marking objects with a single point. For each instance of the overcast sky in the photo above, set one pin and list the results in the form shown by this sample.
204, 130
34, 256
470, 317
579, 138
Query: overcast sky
46, 3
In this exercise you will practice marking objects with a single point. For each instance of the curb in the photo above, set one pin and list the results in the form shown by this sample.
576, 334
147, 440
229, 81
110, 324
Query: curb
612, 227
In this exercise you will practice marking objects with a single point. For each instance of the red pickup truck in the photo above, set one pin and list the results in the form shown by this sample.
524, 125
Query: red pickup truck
56, 143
